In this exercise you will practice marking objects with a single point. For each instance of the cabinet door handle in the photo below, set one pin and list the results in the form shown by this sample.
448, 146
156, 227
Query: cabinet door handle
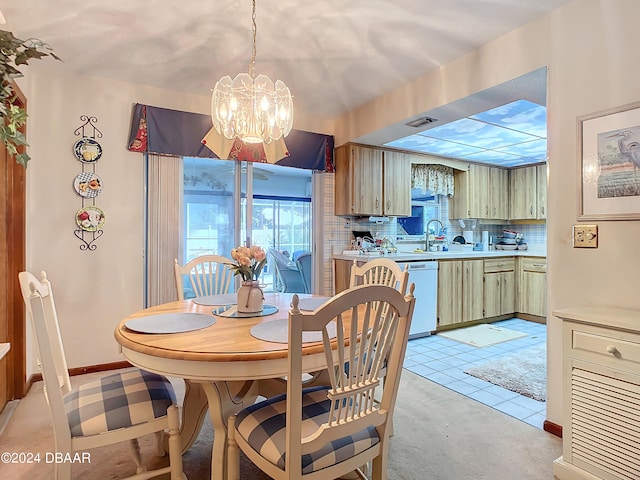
531, 210
377, 202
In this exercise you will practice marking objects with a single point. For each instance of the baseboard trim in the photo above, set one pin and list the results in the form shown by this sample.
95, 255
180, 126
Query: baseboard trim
103, 367
531, 318
552, 428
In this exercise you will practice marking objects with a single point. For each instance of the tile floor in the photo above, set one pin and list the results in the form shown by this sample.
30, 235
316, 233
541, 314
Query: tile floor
443, 361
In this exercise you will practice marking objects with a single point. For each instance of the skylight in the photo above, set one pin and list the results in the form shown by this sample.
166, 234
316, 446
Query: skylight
511, 135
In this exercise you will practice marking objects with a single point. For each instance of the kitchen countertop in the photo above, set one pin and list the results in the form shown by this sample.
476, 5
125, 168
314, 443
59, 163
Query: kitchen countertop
450, 255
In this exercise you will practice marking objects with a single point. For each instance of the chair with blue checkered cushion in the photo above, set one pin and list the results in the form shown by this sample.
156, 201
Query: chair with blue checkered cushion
118, 407
207, 274
326, 432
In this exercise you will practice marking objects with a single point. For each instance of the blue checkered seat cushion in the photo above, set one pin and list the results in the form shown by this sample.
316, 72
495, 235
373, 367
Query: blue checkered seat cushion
123, 399
263, 426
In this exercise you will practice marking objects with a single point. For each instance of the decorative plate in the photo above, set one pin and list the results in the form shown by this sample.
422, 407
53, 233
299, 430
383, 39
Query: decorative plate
87, 150
90, 218
87, 184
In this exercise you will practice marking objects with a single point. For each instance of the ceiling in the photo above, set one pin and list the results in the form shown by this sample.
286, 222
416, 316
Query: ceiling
334, 55
509, 130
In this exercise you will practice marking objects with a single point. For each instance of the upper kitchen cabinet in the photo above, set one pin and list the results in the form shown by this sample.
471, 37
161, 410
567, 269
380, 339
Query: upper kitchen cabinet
541, 191
528, 190
397, 184
370, 181
480, 192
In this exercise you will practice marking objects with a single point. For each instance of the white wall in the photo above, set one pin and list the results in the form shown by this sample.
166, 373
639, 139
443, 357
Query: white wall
590, 49
94, 290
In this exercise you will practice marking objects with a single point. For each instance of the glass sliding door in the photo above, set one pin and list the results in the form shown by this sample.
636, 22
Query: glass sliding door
209, 208
228, 203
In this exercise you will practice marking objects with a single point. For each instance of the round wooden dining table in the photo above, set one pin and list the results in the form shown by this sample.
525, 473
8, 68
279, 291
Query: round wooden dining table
225, 367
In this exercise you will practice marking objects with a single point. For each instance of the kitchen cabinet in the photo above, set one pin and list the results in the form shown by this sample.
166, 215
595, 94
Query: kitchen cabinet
601, 392
528, 193
532, 286
460, 291
498, 193
480, 192
541, 190
499, 286
396, 184
371, 181
342, 273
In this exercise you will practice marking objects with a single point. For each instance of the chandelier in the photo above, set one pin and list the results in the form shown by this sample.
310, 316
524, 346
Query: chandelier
252, 108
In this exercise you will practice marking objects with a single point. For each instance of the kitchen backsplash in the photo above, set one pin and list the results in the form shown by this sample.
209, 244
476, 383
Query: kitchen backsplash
533, 233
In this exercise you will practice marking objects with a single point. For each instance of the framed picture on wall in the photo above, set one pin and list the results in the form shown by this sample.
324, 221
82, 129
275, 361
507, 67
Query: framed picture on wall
609, 164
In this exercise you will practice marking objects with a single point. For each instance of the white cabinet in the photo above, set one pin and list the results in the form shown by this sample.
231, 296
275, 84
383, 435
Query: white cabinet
601, 383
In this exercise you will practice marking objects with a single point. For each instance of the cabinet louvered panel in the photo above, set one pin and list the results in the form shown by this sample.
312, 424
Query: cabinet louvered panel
605, 425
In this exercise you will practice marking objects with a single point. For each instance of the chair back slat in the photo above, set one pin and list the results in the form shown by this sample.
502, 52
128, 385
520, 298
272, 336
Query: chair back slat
372, 326
207, 274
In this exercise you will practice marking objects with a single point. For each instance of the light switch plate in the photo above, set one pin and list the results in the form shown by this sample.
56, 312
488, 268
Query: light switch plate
585, 236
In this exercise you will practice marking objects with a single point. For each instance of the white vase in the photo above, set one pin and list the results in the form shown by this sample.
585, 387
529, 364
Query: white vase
250, 297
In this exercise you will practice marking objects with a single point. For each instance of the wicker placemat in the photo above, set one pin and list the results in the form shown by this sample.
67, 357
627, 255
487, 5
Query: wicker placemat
170, 323
221, 299
277, 331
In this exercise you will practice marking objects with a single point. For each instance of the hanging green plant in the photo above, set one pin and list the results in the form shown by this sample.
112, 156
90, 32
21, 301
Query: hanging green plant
14, 53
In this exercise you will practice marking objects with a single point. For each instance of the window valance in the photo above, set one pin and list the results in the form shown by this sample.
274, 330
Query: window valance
184, 134
436, 179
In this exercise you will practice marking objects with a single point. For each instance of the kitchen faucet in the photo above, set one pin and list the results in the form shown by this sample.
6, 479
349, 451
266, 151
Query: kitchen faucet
429, 242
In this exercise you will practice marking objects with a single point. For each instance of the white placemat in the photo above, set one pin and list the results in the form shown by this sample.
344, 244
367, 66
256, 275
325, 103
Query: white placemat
311, 303
222, 299
277, 331
170, 323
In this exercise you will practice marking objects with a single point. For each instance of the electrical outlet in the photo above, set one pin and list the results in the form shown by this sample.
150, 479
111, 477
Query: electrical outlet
585, 236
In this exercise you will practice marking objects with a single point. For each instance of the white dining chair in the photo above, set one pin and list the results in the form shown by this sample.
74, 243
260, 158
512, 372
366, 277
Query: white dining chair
380, 271
118, 407
207, 274
327, 432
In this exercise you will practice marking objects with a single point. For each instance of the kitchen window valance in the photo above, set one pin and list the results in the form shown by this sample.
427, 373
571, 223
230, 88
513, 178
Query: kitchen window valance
184, 134
436, 179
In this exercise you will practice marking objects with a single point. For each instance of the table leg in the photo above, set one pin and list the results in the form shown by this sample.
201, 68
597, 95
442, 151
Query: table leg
225, 399
194, 409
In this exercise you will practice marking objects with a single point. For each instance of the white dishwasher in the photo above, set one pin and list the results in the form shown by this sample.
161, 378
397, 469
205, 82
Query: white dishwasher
424, 274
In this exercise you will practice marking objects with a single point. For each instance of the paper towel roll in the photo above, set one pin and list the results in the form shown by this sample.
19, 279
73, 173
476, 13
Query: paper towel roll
468, 236
485, 240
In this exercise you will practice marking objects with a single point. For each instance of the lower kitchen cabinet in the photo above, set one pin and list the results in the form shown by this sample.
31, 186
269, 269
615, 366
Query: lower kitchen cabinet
342, 273
499, 286
532, 294
601, 393
460, 291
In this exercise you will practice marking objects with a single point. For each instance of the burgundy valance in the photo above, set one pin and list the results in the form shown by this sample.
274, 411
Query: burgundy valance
172, 132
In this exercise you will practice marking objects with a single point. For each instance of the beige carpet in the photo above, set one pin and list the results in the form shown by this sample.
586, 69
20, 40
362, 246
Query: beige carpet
439, 435
482, 335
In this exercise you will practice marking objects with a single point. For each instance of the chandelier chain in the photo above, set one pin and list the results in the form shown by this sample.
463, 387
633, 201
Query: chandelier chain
252, 62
